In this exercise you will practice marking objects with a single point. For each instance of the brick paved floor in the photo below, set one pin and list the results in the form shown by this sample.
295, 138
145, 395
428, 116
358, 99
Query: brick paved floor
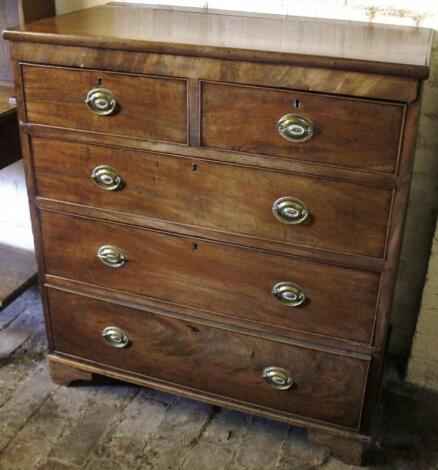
112, 425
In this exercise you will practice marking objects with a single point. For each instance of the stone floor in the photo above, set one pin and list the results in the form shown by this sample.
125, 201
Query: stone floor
111, 425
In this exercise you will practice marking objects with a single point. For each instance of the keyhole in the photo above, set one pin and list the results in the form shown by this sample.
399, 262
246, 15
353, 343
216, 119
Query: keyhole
296, 104
194, 330
194, 246
99, 82
194, 167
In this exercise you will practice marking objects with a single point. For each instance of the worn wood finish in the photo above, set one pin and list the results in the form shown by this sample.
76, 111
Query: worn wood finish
149, 107
352, 452
383, 320
236, 282
110, 421
64, 375
18, 270
209, 359
209, 266
243, 118
239, 324
342, 82
331, 257
344, 217
31, 190
311, 42
261, 161
187, 392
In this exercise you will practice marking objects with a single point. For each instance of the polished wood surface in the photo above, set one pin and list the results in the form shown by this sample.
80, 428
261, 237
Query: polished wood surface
327, 387
243, 407
309, 41
344, 217
149, 108
191, 259
327, 256
296, 77
246, 159
244, 119
232, 282
268, 331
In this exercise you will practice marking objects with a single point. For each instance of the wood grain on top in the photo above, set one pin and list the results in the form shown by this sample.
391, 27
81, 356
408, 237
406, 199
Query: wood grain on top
240, 36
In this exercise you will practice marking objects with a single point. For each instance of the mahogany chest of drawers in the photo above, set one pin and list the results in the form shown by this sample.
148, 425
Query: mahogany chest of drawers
218, 203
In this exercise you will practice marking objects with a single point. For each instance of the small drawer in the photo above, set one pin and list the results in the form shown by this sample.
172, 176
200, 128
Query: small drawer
323, 213
234, 283
138, 106
297, 380
346, 132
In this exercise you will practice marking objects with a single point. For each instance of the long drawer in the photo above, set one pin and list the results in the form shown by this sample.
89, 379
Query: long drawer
317, 128
315, 384
345, 217
112, 103
233, 282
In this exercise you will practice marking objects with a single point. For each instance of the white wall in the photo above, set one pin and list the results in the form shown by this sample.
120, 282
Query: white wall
65, 6
421, 12
15, 228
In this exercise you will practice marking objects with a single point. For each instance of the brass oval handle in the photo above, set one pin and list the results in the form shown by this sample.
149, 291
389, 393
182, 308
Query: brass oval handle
101, 101
278, 378
295, 128
116, 337
290, 210
289, 294
106, 177
111, 256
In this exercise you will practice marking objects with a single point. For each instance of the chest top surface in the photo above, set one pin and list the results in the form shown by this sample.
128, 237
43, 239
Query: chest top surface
346, 45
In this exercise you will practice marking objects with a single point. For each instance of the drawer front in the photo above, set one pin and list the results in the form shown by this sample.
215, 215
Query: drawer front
345, 217
144, 107
226, 280
325, 386
346, 132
